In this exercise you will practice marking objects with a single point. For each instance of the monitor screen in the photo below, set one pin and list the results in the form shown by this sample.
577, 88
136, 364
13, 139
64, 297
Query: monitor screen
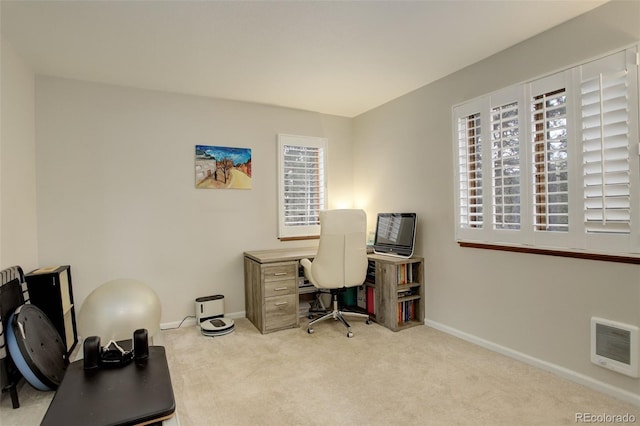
395, 234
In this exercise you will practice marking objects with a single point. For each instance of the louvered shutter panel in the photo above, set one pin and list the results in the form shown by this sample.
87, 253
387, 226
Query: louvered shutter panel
605, 148
560, 158
550, 161
304, 194
505, 160
470, 171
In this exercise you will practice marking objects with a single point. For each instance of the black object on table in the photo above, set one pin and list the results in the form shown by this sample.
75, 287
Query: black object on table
133, 394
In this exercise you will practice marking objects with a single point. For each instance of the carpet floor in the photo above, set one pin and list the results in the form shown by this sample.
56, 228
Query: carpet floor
378, 377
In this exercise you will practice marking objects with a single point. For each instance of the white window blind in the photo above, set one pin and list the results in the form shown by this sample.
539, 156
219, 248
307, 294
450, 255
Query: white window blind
563, 171
605, 144
470, 171
302, 189
550, 161
303, 185
505, 161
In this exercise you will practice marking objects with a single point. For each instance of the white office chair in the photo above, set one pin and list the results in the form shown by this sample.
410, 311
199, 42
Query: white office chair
341, 261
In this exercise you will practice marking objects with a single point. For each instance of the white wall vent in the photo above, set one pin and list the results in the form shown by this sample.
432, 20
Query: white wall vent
615, 346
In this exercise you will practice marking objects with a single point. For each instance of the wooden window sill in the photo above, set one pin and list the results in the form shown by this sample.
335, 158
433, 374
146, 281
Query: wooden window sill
308, 237
549, 252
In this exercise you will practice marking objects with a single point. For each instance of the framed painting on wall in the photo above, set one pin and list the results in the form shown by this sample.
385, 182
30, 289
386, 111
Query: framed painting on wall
219, 167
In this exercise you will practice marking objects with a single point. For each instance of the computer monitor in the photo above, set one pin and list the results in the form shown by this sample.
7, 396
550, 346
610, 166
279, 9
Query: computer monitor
395, 234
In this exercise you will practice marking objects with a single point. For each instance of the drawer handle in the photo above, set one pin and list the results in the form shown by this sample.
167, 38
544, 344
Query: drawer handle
280, 288
281, 303
279, 274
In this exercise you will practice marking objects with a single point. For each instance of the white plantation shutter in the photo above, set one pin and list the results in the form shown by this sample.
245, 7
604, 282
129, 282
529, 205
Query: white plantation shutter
505, 162
550, 161
470, 171
303, 184
564, 171
606, 151
302, 189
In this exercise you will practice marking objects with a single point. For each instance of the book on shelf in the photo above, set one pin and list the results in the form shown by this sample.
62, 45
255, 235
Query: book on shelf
371, 301
405, 292
406, 273
406, 311
402, 273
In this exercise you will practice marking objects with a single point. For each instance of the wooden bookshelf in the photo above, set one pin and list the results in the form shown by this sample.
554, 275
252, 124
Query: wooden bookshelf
398, 287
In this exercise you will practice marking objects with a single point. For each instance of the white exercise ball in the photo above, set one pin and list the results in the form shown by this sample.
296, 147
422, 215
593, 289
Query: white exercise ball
117, 308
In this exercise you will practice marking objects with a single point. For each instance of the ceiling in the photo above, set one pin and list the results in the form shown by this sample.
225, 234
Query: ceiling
333, 57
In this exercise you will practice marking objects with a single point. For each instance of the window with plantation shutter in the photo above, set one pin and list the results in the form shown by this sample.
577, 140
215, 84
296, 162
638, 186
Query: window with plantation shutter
605, 146
470, 170
562, 163
550, 161
505, 161
302, 189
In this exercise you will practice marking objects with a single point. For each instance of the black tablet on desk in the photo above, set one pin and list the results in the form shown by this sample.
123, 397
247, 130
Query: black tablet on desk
127, 395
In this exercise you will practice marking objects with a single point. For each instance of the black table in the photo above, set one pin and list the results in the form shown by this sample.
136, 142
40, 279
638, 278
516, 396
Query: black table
128, 395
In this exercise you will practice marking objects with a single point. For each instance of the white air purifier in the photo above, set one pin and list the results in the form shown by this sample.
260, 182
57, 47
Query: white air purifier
210, 316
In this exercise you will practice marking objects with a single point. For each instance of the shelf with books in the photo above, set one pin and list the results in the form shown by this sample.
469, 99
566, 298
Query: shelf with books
398, 291
408, 310
406, 290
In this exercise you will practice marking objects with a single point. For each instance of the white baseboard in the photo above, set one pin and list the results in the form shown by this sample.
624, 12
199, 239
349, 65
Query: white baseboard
544, 365
191, 321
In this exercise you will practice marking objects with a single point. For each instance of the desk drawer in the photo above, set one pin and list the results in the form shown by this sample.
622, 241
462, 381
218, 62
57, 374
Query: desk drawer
280, 288
281, 311
281, 271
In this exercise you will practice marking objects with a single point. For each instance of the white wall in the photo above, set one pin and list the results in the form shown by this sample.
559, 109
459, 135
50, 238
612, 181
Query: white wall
116, 195
403, 161
18, 242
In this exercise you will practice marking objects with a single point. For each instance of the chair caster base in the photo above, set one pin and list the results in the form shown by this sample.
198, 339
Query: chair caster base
310, 330
368, 322
349, 334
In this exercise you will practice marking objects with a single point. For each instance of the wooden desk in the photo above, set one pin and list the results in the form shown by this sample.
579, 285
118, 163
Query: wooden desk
272, 293
281, 255
130, 395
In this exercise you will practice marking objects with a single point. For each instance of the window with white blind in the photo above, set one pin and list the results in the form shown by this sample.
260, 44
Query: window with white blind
605, 146
301, 185
505, 161
470, 170
550, 161
571, 181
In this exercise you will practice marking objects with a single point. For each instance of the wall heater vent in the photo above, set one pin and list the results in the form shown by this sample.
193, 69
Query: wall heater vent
615, 346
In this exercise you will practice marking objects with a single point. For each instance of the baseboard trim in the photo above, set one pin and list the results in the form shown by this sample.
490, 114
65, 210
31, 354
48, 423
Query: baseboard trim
191, 321
543, 365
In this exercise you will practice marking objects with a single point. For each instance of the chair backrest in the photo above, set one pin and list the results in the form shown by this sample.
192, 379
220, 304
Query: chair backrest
342, 251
